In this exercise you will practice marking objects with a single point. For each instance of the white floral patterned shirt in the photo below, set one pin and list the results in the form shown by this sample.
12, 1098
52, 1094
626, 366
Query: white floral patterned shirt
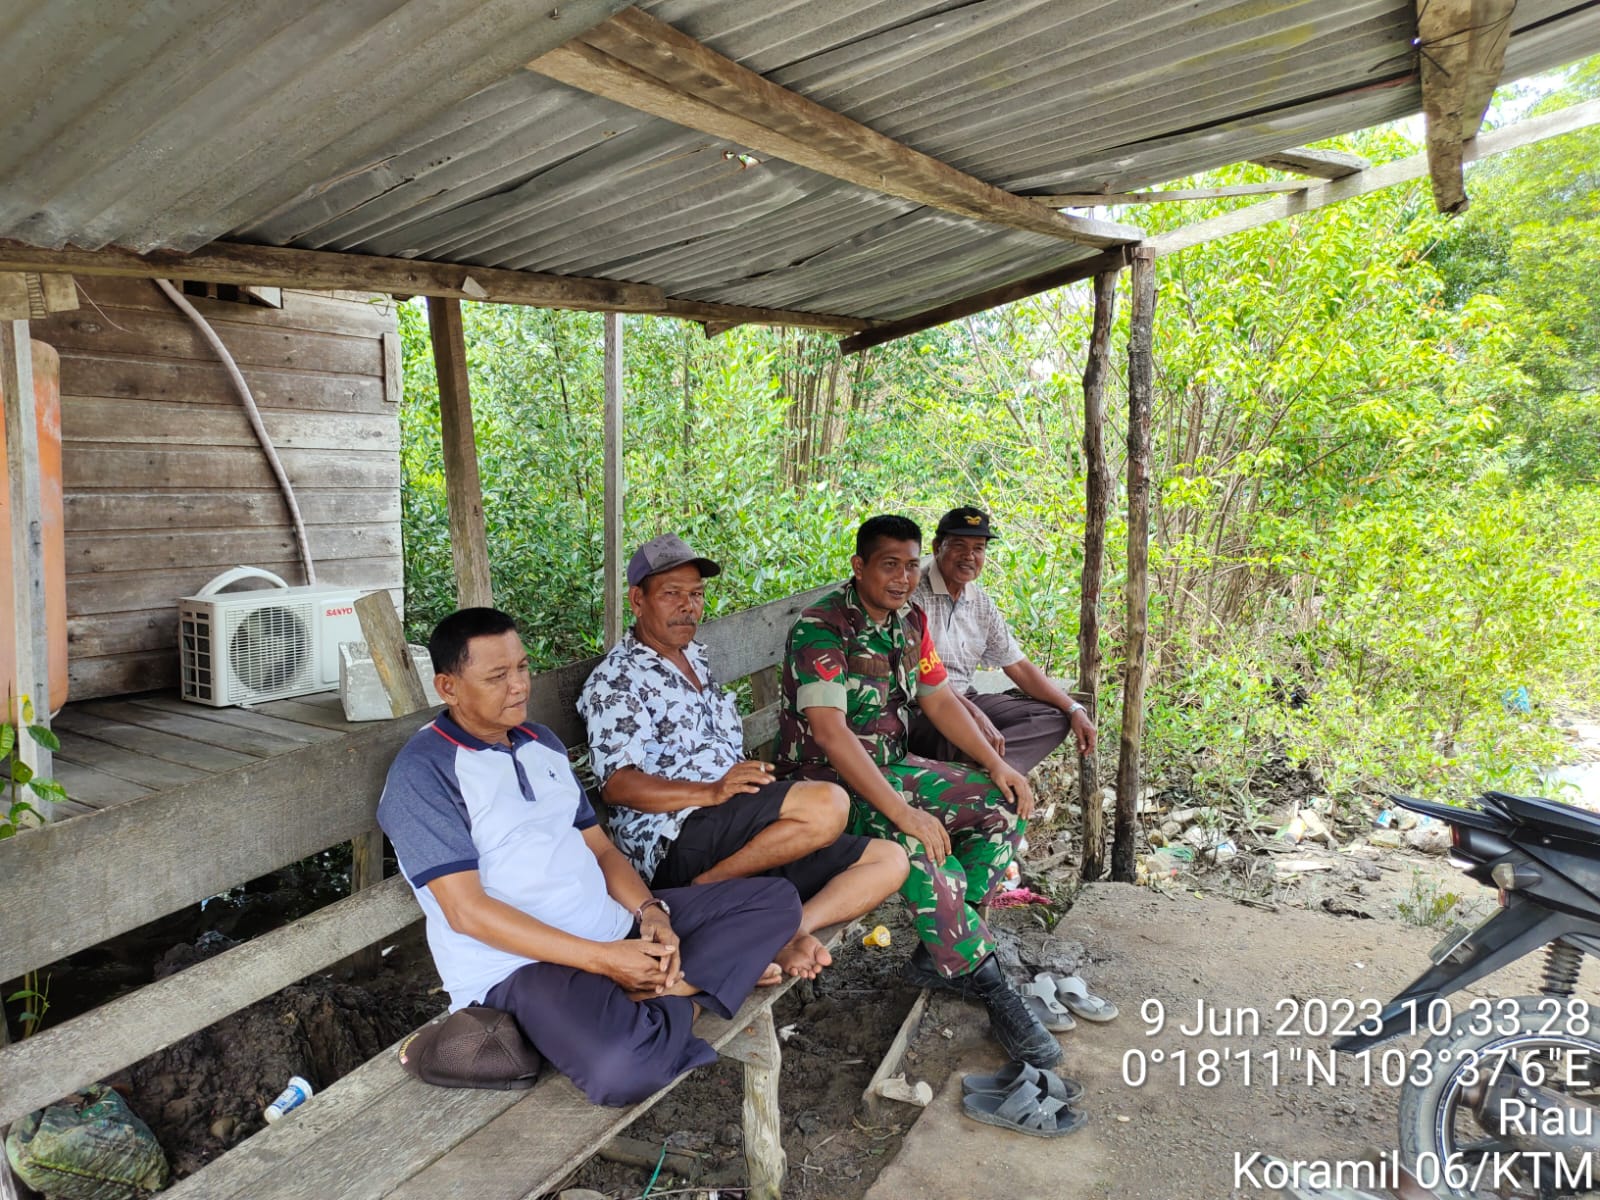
641, 712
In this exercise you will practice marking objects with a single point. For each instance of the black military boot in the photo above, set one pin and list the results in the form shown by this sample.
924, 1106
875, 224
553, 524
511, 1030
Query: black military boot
919, 971
1015, 1027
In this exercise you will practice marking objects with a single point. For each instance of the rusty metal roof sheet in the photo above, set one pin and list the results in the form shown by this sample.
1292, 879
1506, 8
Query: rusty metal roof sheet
411, 129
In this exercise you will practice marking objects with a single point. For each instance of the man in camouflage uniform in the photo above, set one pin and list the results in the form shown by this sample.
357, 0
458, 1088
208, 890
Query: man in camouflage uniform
855, 660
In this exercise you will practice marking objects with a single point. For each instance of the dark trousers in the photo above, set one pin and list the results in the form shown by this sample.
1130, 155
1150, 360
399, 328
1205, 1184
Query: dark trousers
1032, 729
619, 1051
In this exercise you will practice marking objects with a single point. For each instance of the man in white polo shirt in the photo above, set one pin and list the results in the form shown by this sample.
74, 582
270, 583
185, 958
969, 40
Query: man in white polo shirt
1023, 724
531, 909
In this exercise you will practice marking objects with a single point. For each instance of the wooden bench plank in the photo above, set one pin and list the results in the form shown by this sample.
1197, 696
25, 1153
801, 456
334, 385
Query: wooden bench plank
152, 743
244, 739
754, 639
90, 789
233, 827
154, 773
301, 710
46, 1066
444, 1143
531, 1147
379, 1133
329, 700
244, 718
761, 728
356, 1141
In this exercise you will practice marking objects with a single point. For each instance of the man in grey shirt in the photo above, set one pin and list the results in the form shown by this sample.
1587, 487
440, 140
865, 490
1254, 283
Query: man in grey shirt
1024, 724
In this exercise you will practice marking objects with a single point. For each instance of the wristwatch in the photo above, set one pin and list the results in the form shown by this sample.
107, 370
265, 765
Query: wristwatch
638, 913
1075, 710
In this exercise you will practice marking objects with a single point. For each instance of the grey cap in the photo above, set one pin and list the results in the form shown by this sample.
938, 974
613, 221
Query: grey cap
662, 554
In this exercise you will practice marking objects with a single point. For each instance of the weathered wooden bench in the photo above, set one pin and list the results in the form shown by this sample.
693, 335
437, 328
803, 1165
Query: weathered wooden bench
376, 1132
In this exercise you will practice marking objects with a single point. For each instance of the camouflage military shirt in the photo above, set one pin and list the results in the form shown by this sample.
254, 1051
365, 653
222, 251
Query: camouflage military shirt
839, 658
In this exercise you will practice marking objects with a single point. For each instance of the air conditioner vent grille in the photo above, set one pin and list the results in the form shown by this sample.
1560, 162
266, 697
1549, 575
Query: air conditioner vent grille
269, 649
194, 636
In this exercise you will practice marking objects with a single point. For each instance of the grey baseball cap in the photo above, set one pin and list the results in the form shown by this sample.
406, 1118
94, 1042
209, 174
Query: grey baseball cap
662, 554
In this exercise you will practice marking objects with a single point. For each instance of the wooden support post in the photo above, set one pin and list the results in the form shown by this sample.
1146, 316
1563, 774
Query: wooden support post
391, 656
615, 590
366, 870
469, 544
1140, 387
895, 1055
1096, 487
756, 1046
31, 676
32, 673
1462, 48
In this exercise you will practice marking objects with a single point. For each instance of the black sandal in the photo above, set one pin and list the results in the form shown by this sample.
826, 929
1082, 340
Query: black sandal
1018, 1074
1025, 1111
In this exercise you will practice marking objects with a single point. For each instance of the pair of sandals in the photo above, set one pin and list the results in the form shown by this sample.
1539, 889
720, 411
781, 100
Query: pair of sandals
1024, 1099
1056, 1000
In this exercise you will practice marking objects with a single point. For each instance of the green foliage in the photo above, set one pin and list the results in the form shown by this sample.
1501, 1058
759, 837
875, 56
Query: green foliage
1373, 456
21, 781
1531, 242
1426, 905
34, 996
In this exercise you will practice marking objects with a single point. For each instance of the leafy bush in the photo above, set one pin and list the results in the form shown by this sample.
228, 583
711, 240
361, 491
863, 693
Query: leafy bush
1351, 561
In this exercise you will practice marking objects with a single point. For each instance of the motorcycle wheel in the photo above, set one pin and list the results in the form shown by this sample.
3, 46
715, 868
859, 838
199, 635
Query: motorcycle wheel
1438, 1126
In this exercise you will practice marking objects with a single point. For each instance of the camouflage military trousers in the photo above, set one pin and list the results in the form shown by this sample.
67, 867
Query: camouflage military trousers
984, 832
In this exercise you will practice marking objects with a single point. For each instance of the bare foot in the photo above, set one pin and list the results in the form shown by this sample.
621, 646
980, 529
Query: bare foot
772, 975
804, 956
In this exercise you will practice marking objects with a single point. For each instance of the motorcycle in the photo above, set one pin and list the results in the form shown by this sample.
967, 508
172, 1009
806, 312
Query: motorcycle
1503, 1098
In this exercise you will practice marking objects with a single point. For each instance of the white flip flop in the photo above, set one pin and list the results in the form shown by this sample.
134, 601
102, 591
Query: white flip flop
1075, 994
1040, 997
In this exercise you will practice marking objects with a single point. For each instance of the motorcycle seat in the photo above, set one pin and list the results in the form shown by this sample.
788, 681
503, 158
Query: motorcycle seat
1561, 819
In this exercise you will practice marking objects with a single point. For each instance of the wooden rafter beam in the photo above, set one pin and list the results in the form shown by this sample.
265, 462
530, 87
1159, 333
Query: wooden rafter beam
275, 266
1087, 199
1512, 137
1319, 164
1316, 195
636, 60
1462, 45
1108, 260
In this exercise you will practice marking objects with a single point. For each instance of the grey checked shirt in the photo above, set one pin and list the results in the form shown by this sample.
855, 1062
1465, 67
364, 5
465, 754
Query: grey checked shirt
968, 633
642, 712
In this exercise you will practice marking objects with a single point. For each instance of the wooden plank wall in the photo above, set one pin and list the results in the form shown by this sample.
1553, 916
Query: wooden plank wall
166, 485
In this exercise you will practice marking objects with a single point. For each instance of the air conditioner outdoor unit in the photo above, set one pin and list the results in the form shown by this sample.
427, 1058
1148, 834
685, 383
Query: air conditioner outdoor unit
265, 644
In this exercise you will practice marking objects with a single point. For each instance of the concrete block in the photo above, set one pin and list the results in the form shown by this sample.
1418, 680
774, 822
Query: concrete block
360, 689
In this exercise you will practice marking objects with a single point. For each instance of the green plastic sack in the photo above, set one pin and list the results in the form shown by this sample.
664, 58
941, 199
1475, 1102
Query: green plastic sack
90, 1146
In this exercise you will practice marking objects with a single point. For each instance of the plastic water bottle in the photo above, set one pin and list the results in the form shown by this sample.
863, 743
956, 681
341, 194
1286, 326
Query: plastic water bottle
293, 1096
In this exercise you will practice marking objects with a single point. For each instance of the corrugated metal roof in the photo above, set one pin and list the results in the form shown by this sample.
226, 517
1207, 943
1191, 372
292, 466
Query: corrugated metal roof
410, 128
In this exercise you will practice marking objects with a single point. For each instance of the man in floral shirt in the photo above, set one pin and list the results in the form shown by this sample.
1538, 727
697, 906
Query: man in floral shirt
856, 660
667, 745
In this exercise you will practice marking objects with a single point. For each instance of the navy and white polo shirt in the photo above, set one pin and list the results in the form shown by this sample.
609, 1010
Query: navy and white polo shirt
516, 815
